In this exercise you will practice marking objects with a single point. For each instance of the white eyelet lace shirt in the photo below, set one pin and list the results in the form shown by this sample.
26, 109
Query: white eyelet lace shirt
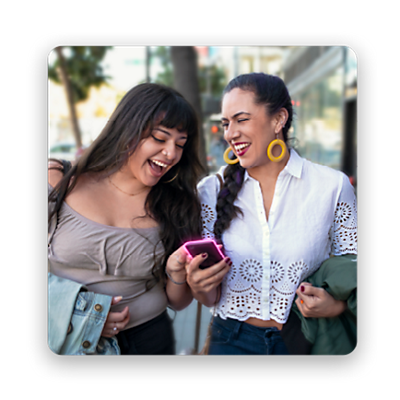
313, 214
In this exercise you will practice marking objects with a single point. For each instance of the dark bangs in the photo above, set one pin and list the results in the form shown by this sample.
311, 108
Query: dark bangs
175, 112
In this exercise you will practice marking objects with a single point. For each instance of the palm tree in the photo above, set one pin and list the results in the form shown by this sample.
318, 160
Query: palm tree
64, 78
78, 73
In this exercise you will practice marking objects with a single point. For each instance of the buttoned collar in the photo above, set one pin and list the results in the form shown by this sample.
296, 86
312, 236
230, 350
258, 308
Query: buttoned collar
293, 167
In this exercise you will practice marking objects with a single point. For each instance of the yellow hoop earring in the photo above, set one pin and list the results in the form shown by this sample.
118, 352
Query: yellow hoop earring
227, 159
276, 142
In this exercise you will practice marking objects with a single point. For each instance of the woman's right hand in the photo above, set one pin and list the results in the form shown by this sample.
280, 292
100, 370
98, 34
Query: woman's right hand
204, 283
116, 321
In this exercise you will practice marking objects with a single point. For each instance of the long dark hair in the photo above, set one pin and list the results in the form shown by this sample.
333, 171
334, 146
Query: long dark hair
174, 205
271, 92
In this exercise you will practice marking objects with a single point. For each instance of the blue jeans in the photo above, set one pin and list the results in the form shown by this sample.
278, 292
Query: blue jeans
232, 337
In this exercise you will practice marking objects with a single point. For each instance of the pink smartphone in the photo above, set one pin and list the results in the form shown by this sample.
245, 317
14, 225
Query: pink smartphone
208, 246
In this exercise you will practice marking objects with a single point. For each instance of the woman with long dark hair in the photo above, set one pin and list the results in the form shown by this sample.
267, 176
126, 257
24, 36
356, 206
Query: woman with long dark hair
278, 216
125, 209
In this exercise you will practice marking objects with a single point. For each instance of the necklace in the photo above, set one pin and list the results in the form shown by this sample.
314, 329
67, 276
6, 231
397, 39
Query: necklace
129, 194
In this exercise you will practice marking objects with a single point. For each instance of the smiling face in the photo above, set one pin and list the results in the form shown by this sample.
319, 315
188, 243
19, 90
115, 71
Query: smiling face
156, 154
247, 127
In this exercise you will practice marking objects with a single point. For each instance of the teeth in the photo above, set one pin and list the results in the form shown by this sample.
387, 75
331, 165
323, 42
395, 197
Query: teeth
241, 146
159, 163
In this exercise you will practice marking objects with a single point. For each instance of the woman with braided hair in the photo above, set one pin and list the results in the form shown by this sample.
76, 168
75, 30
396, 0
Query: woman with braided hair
278, 217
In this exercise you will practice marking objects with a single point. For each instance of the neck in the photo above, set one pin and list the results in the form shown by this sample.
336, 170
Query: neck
127, 184
269, 170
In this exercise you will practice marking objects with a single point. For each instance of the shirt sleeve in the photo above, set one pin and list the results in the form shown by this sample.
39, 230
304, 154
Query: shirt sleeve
344, 227
208, 189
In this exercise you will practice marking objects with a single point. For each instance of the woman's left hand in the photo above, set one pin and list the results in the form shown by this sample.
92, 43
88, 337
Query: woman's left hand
314, 302
116, 321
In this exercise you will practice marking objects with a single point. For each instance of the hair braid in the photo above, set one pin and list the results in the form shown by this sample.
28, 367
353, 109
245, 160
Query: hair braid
226, 210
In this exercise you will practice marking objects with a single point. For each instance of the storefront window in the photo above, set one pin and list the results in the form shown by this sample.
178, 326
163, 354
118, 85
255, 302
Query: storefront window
318, 123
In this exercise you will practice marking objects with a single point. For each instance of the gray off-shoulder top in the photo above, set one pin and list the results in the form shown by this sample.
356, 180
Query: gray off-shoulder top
109, 260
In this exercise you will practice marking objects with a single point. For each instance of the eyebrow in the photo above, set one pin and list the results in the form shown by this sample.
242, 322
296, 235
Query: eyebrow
236, 115
167, 133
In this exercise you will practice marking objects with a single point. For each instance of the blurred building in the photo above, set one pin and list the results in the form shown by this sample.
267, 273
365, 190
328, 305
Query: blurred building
234, 60
238, 60
322, 82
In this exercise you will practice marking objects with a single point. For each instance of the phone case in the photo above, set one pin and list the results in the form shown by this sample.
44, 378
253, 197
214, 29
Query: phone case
196, 247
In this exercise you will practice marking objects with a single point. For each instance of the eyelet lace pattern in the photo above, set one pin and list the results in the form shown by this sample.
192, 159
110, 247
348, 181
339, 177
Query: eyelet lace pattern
264, 276
241, 295
208, 218
243, 290
344, 230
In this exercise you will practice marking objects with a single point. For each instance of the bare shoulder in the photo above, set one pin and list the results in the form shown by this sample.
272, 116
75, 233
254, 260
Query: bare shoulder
55, 173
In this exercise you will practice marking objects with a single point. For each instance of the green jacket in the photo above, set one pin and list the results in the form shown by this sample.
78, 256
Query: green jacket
336, 336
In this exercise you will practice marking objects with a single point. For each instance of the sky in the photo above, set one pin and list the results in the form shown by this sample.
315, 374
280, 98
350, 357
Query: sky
126, 66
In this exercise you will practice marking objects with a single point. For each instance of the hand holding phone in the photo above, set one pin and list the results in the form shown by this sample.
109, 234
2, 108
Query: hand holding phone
208, 246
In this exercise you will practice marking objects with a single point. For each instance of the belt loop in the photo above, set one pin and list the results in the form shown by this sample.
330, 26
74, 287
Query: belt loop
236, 329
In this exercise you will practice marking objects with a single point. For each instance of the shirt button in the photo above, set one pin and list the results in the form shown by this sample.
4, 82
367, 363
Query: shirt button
70, 328
98, 307
86, 344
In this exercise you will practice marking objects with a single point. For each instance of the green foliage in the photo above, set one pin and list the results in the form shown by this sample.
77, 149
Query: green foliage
83, 65
166, 77
217, 79
211, 77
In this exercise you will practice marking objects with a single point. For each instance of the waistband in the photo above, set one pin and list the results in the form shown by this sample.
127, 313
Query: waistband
236, 325
147, 324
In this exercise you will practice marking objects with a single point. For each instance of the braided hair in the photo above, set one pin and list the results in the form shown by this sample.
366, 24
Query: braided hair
271, 92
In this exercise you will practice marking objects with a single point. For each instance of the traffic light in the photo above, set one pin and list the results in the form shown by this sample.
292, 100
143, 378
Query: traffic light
214, 129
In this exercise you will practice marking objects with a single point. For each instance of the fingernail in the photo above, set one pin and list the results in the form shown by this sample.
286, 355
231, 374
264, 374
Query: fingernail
118, 298
227, 260
301, 301
230, 263
204, 255
302, 288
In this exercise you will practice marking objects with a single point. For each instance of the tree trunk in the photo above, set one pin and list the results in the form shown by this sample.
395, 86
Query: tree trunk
184, 60
70, 100
148, 60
